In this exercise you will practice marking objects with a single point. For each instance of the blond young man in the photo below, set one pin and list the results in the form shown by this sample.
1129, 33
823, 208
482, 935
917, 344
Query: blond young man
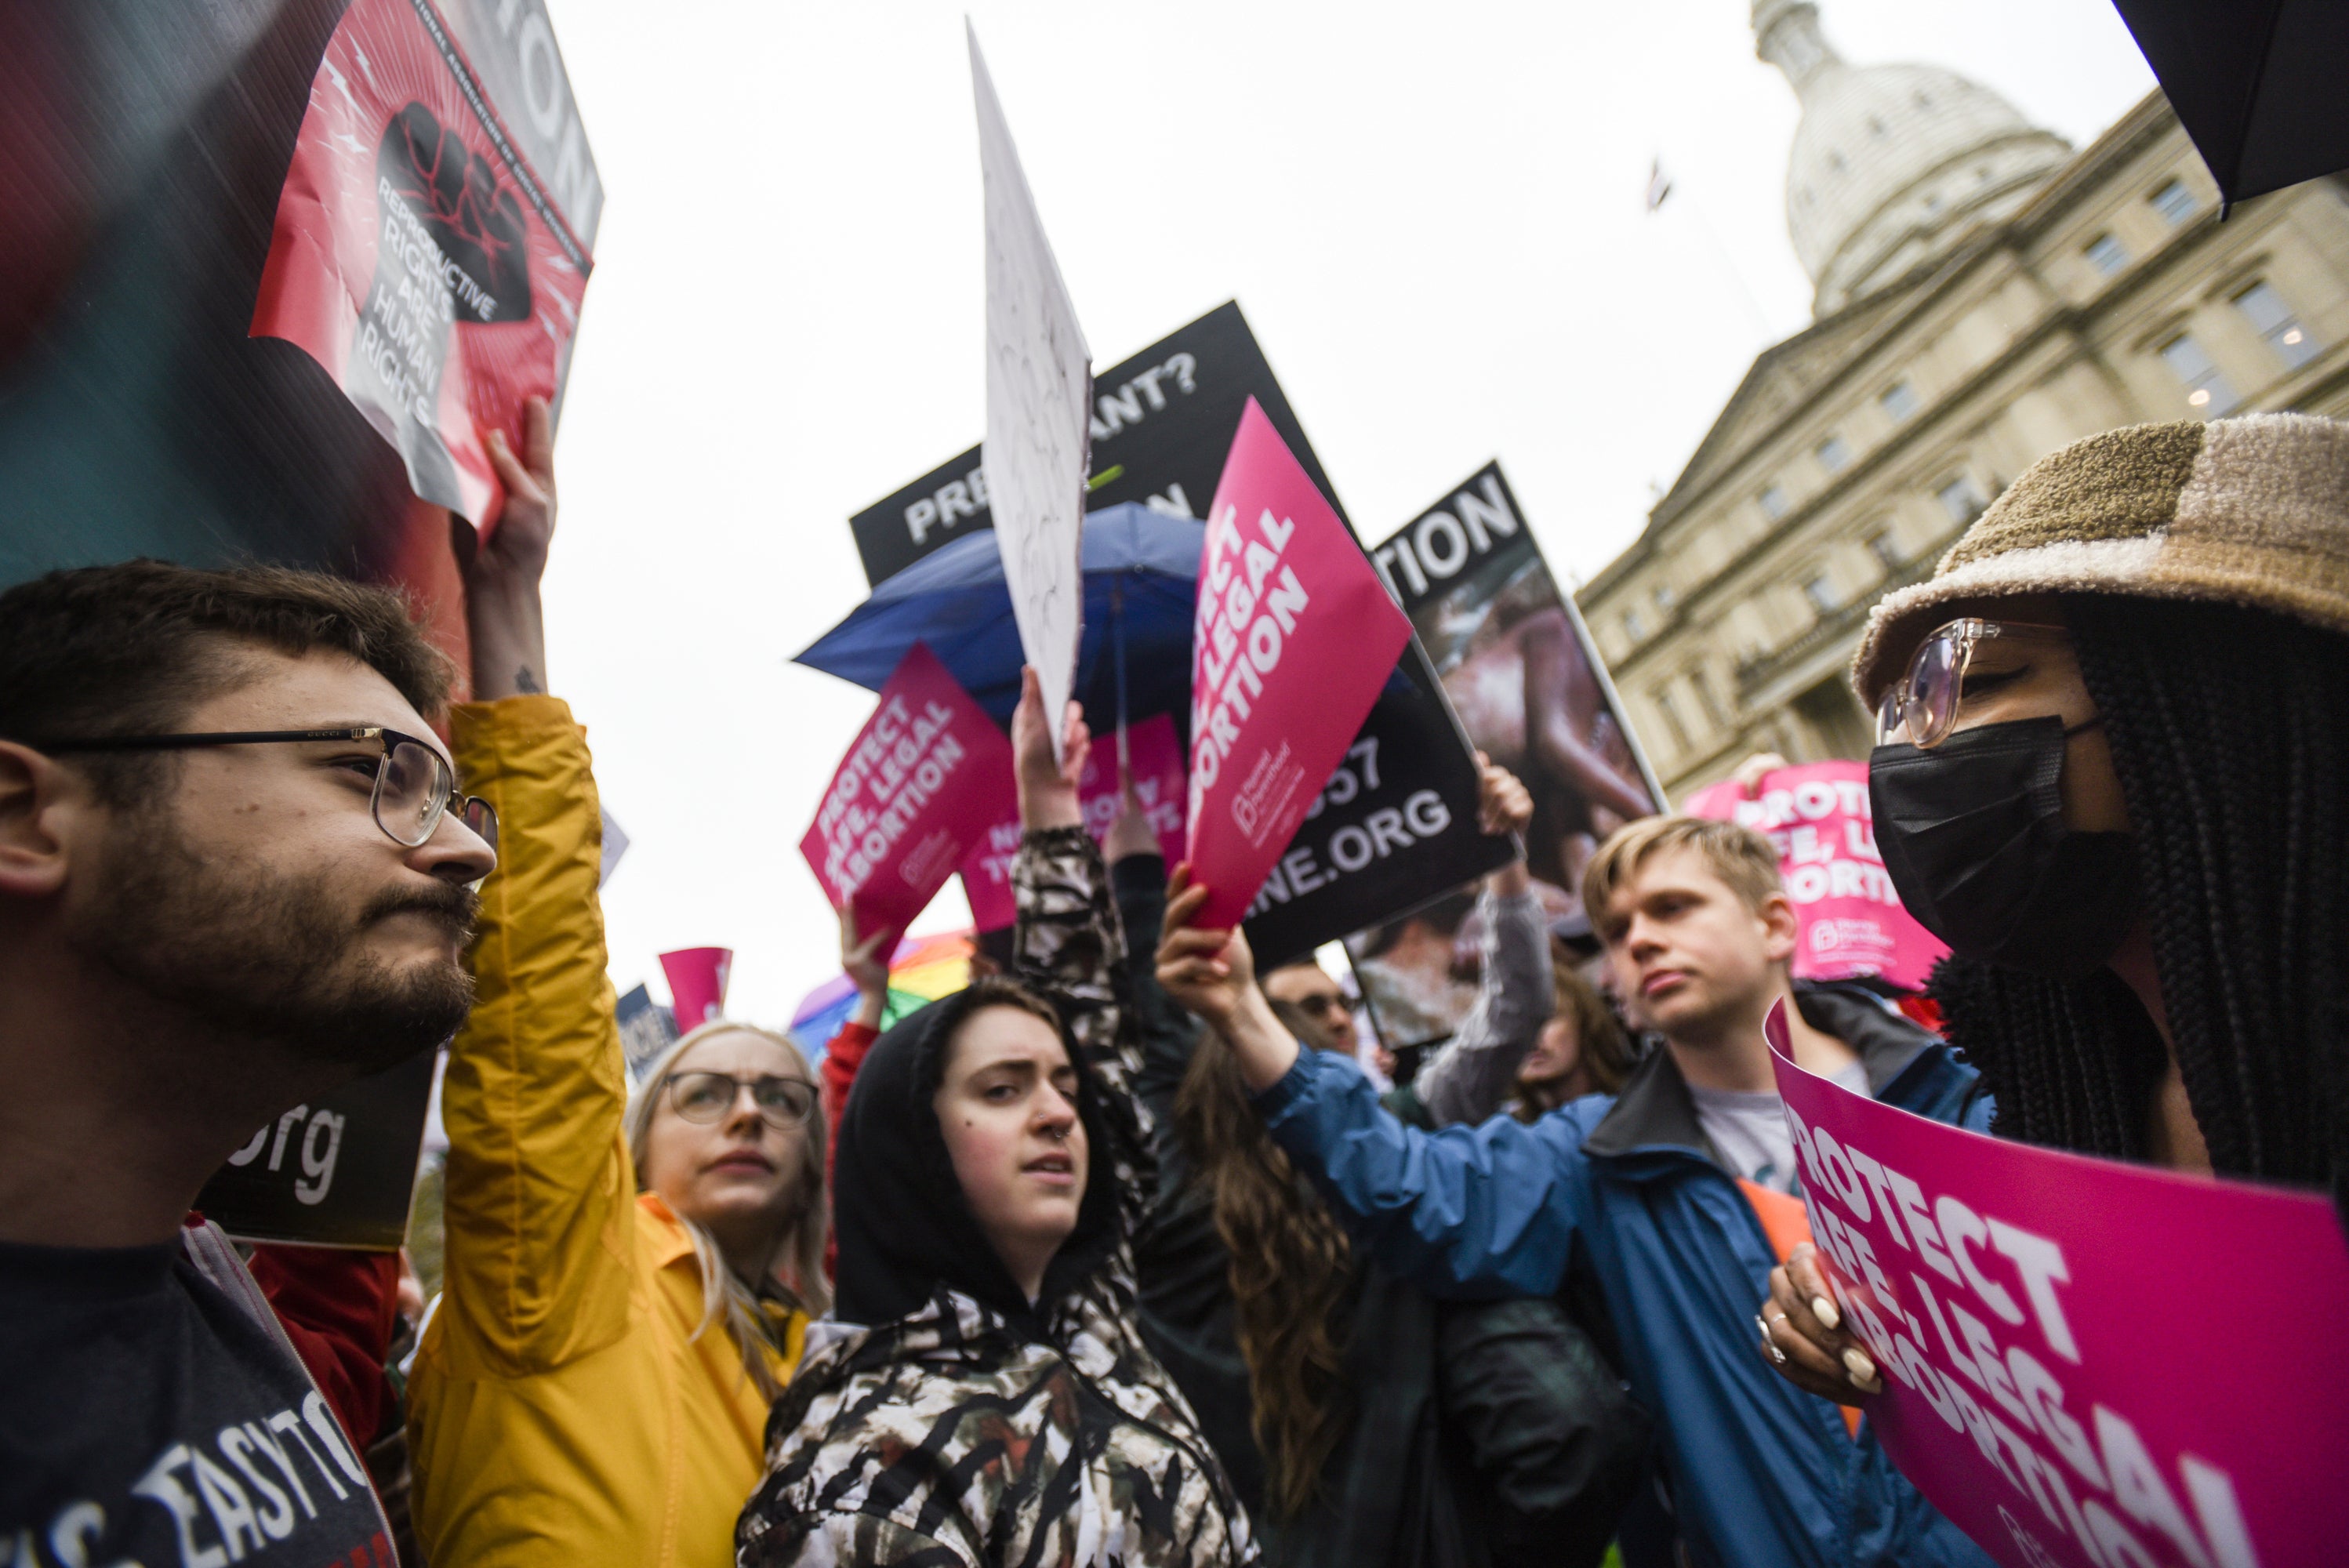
1663, 1198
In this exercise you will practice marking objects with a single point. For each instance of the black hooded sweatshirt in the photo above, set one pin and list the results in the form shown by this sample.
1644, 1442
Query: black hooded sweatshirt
947, 1419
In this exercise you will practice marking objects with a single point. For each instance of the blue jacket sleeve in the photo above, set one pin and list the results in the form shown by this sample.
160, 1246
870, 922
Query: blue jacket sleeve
1466, 1213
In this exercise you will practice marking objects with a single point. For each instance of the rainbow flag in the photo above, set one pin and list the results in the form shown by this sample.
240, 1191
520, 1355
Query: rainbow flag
921, 970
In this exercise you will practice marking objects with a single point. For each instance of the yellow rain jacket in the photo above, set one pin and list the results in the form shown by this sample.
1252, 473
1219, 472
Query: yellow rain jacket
561, 1412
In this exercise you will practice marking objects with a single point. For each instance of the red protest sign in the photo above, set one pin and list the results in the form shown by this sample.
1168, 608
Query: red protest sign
926, 776
1852, 923
1155, 758
1293, 638
418, 255
2043, 1324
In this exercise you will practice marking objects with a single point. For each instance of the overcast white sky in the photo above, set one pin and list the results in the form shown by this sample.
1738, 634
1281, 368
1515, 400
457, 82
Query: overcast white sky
1431, 214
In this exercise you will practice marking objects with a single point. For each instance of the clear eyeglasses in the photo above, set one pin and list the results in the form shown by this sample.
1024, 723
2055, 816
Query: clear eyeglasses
1922, 707
414, 785
705, 1097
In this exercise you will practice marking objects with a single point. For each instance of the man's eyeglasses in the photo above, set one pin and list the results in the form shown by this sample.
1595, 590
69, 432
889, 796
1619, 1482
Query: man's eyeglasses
1922, 707
414, 785
705, 1097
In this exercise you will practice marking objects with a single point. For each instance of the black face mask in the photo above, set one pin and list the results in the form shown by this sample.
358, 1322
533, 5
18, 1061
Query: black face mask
1973, 833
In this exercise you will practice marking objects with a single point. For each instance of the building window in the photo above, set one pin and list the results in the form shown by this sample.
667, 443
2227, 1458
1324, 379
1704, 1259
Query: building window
1774, 501
1962, 498
2175, 203
1672, 725
2107, 254
2207, 392
1704, 697
1885, 547
1631, 627
1834, 453
2273, 319
1665, 598
1820, 590
1899, 400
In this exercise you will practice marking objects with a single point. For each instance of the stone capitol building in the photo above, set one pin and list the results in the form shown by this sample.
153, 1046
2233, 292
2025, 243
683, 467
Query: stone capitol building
1985, 293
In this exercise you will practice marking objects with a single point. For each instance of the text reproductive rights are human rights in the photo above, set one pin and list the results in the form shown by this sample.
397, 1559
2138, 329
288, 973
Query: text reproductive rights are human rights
1293, 638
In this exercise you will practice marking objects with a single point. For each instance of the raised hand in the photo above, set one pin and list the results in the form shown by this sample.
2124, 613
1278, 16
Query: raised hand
1048, 787
1212, 974
1504, 805
502, 609
866, 961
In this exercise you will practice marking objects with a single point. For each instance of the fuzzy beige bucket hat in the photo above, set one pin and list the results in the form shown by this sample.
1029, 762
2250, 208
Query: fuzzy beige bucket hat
2252, 511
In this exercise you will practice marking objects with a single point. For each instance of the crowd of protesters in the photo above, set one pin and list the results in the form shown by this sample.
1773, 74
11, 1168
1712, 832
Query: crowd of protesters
1117, 1256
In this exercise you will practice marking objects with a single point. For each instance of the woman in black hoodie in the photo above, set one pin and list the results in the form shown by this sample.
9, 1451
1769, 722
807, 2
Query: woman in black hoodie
983, 1395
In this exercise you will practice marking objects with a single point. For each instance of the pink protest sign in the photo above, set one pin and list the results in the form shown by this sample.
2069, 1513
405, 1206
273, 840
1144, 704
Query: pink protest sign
696, 983
1853, 923
1293, 638
925, 778
1157, 760
2086, 1364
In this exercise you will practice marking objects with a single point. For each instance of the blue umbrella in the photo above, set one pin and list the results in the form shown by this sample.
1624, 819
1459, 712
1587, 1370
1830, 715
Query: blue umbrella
1142, 577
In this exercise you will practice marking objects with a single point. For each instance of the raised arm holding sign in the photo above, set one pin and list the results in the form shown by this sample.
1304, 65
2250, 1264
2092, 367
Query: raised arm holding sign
1295, 637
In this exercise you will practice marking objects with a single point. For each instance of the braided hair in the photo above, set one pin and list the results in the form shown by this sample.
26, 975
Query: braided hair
2229, 736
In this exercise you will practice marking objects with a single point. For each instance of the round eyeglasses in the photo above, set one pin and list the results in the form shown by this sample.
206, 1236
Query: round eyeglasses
705, 1097
1922, 707
414, 785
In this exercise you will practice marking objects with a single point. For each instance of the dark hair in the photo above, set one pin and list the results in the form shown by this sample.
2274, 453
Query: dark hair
1603, 1050
2229, 734
1291, 1266
122, 649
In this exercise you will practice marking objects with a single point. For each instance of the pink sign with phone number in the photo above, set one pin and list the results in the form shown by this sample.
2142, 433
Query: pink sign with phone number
1155, 757
1852, 921
925, 778
2086, 1363
1293, 639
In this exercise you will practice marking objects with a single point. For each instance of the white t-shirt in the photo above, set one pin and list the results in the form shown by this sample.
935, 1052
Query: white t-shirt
1750, 1129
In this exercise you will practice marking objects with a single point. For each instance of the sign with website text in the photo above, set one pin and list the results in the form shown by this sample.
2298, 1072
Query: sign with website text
1155, 758
1852, 923
924, 781
336, 1173
423, 252
1292, 641
2086, 1363
1161, 424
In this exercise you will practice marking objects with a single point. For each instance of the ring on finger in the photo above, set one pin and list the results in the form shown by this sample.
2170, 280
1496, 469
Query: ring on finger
1769, 1342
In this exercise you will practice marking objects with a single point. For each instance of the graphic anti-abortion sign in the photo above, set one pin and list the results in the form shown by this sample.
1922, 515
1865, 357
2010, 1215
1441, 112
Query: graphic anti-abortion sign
335, 1173
1291, 643
924, 779
423, 254
2086, 1365
1531, 691
1852, 923
1162, 422
1155, 758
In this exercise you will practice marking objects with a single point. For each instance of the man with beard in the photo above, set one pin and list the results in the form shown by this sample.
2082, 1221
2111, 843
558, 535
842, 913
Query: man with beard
235, 873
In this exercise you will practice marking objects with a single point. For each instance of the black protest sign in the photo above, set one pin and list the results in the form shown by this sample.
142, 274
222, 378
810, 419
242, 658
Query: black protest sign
337, 1172
1163, 424
1394, 827
1531, 691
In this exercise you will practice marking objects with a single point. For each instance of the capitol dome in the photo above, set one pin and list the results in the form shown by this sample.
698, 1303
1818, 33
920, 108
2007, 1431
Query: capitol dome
1891, 163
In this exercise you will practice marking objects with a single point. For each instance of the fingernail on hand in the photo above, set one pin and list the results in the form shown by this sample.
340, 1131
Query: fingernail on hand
1825, 1311
1861, 1368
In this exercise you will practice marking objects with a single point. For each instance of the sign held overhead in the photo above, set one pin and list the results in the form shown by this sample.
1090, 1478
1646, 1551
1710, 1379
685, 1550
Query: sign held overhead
1038, 391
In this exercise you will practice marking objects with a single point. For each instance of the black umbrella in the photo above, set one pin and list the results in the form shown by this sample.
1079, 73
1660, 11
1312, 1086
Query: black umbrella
2261, 85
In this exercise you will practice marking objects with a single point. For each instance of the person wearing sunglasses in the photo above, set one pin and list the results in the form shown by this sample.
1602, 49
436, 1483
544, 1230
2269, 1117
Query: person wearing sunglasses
2114, 777
626, 1290
235, 873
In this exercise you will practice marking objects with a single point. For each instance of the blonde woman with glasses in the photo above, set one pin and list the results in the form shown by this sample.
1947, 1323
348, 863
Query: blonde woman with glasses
627, 1286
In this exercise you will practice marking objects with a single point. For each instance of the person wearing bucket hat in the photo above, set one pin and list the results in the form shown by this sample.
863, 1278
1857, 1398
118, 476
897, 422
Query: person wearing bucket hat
983, 1394
2113, 774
